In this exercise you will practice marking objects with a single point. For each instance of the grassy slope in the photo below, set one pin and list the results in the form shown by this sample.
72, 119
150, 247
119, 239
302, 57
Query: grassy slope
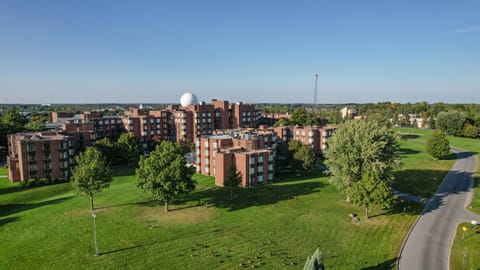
273, 227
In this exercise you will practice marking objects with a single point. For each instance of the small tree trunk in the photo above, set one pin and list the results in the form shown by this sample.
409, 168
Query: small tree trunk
166, 206
366, 212
231, 193
91, 202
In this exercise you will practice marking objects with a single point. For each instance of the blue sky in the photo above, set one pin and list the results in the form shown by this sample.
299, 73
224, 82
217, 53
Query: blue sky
254, 51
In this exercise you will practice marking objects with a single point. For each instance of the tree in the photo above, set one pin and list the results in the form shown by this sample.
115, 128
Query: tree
91, 174
301, 117
293, 147
306, 157
371, 191
451, 122
35, 125
358, 147
438, 145
107, 148
283, 157
11, 121
164, 174
282, 122
315, 262
232, 179
128, 148
470, 131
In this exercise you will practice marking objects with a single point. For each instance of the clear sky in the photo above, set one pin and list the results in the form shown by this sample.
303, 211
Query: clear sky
95, 51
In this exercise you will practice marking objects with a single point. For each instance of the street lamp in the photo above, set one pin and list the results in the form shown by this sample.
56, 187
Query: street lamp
95, 233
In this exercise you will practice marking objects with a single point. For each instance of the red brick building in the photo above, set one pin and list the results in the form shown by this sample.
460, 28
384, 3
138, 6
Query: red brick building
314, 136
252, 152
39, 155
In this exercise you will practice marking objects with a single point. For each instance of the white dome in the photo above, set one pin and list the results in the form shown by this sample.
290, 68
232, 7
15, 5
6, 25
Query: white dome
188, 99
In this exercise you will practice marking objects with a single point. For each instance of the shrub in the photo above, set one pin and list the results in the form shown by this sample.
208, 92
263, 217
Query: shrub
438, 145
470, 131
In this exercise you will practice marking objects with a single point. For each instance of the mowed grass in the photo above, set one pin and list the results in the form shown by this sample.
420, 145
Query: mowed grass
269, 227
420, 174
466, 253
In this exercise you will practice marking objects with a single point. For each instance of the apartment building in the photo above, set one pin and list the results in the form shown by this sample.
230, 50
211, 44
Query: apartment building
252, 152
314, 136
39, 155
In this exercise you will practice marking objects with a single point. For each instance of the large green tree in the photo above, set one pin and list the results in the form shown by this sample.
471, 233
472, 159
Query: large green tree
303, 156
371, 191
128, 148
437, 144
91, 174
451, 122
301, 117
107, 148
11, 121
164, 174
35, 125
359, 147
232, 179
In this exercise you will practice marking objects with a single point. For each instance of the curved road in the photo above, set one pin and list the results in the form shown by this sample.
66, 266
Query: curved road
428, 244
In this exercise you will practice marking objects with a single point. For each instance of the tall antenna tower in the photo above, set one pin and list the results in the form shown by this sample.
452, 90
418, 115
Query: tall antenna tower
315, 91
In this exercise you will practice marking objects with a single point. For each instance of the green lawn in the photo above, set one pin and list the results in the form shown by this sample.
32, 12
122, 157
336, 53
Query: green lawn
420, 174
469, 246
270, 227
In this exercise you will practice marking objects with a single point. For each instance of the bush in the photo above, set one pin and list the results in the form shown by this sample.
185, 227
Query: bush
470, 131
438, 145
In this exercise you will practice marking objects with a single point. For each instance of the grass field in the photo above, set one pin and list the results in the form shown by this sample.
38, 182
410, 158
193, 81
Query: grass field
270, 227
420, 174
466, 253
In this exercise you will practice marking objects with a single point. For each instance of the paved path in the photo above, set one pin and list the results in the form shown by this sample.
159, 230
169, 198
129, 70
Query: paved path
428, 244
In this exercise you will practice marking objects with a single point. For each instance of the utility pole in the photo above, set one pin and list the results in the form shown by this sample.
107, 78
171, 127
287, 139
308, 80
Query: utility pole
95, 233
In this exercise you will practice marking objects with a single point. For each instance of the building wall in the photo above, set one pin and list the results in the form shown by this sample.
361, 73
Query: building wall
40, 155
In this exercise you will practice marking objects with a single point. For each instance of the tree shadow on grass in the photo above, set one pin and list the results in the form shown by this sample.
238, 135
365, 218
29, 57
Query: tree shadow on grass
9, 209
401, 206
387, 265
8, 190
408, 151
248, 197
408, 136
422, 183
4, 221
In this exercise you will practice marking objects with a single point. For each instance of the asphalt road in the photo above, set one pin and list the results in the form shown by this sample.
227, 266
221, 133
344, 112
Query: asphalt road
429, 242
